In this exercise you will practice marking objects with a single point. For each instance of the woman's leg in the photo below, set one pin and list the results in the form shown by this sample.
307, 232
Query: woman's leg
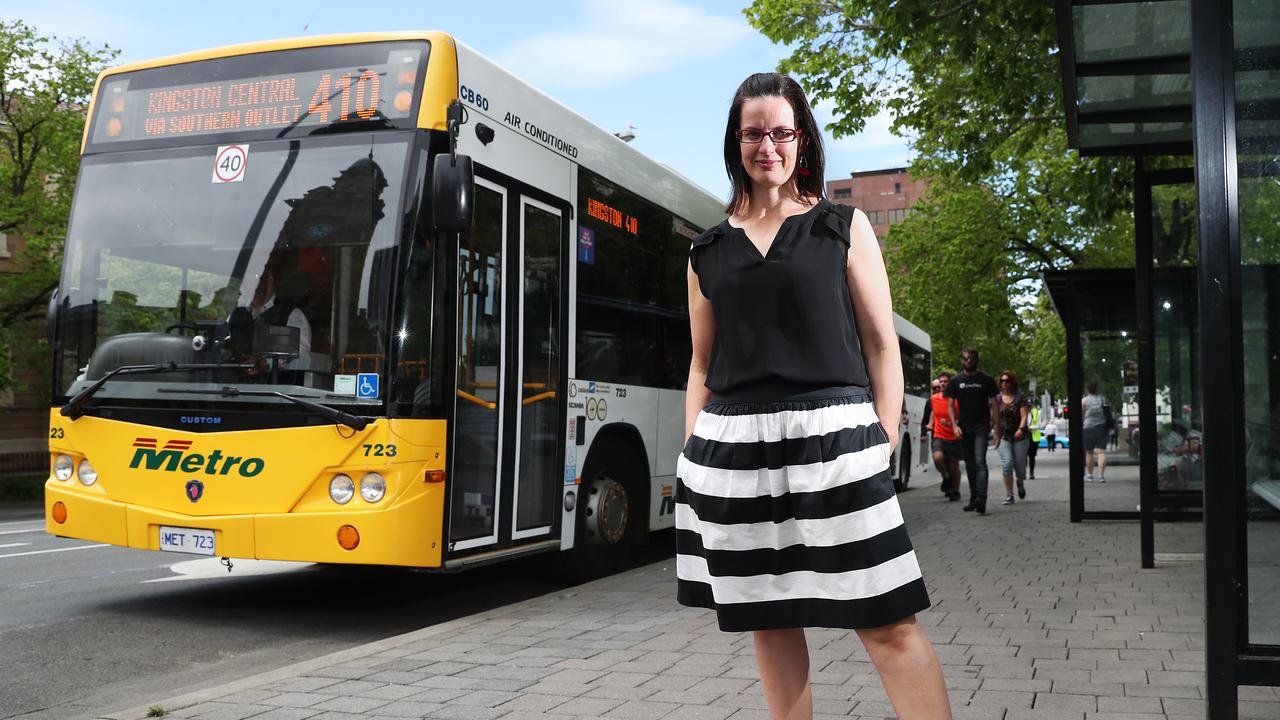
783, 659
1021, 450
1006, 465
1102, 464
1088, 463
909, 669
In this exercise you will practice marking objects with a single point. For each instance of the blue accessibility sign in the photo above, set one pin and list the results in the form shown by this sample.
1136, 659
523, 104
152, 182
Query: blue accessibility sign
367, 385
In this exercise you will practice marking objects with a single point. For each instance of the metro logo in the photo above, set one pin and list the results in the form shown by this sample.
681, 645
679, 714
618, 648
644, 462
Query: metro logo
174, 456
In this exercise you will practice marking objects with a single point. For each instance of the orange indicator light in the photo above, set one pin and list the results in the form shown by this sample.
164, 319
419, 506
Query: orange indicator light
406, 77
403, 100
348, 537
114, 127
59, 512
117, 105
435, 476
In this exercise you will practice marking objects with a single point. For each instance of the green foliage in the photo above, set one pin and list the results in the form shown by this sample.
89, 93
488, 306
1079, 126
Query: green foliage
976, 87
156, 711
44, 91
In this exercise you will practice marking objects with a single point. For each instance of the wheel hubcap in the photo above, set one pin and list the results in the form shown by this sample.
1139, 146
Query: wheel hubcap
606, 512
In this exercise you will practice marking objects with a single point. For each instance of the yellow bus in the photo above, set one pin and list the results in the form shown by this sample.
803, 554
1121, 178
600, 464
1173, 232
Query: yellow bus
365, 299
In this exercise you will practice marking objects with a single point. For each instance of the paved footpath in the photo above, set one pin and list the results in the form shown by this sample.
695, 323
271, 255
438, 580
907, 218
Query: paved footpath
1034, 618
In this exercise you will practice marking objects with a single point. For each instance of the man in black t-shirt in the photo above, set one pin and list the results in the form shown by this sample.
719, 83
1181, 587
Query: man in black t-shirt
975, 393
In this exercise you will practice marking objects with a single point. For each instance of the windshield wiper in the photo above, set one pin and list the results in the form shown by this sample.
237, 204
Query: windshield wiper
332, 414
75, 407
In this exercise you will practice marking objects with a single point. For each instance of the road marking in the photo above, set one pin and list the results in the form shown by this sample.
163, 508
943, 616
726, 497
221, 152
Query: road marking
42, 552
19, 522
20, 532
14, 545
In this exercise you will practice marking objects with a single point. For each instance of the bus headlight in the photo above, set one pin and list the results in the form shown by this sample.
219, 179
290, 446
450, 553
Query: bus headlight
341, 489
86, 473
372, 487
63, 467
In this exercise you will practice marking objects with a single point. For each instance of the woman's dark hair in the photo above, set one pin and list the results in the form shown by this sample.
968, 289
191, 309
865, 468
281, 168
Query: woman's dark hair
810, 139
1091, 388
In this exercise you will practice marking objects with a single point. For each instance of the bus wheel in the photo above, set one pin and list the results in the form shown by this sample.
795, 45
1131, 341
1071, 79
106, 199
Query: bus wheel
610, 514
900, 466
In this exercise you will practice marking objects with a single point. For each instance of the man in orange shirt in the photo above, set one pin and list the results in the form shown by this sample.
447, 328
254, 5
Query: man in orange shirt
947, 450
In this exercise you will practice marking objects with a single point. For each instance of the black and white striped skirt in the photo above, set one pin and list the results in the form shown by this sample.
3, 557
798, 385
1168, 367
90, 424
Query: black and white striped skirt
786, 516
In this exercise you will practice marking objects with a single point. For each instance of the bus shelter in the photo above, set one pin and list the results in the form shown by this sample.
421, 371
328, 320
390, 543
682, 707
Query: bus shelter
1114, 318
1201, 78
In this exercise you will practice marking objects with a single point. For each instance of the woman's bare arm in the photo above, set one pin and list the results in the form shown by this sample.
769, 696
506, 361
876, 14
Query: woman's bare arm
702, 327
873, 309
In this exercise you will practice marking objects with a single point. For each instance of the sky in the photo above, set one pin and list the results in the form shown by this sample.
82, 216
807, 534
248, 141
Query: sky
668, 67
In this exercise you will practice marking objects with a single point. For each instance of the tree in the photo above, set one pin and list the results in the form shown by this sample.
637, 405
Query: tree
44, 92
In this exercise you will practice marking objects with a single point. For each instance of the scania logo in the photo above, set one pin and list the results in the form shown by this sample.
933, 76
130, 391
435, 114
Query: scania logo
195, 490
175, 456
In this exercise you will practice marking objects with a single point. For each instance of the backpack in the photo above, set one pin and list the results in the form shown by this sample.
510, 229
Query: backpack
1108, 416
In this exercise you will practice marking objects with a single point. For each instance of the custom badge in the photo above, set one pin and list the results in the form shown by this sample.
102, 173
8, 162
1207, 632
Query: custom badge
195, 490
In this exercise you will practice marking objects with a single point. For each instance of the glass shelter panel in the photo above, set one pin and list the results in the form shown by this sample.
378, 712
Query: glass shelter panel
1109, 415
1122, 31
1175, 248
1259, 227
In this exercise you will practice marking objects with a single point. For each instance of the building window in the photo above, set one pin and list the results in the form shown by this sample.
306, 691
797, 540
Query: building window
4, 245
875, 216
843, 193
898, 215
897, 188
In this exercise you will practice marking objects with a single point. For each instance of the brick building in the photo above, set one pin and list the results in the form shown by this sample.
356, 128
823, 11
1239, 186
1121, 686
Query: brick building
886, 196
24, 412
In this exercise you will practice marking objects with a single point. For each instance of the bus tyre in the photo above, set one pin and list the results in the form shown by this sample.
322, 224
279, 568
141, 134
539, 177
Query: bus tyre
610, 509
900, 467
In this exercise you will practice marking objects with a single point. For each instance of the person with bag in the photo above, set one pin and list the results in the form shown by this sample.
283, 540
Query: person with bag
1012, 437
1097, 420
1033, 427
786, 516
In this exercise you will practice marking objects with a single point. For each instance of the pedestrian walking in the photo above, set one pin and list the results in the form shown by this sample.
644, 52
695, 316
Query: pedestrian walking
1012, 437
1051, 433
946, 446
973, 414
1095, 417
786, 515
1033, 426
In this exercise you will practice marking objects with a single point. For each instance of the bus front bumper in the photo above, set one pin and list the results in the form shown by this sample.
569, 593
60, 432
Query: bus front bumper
406, 532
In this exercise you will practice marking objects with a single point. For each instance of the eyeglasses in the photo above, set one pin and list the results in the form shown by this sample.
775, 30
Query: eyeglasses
1005, 380
751, 136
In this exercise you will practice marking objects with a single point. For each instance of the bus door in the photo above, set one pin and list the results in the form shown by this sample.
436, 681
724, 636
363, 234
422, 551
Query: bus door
508, 409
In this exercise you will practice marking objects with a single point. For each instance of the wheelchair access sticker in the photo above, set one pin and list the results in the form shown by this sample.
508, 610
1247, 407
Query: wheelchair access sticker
367, 386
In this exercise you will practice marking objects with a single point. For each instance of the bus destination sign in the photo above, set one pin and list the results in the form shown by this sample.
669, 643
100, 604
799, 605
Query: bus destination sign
128, 110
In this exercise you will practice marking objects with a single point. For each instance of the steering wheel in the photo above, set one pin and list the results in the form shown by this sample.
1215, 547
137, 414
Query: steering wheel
182, 326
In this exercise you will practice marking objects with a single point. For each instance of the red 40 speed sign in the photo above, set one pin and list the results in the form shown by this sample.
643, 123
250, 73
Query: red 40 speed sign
229, 163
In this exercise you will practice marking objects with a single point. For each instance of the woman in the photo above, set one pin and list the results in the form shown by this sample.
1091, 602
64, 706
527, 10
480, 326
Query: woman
786, 515
1094, 421
1012, 437
1051, 433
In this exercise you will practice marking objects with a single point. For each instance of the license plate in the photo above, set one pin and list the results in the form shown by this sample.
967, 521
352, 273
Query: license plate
186, 540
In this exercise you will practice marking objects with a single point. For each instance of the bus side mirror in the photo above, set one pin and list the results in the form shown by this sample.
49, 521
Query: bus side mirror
51, 318
452, 192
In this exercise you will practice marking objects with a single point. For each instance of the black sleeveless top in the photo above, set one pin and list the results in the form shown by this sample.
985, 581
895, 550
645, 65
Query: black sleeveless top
784, 322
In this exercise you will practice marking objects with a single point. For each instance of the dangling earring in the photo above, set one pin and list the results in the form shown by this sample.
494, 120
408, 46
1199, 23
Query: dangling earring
804, 166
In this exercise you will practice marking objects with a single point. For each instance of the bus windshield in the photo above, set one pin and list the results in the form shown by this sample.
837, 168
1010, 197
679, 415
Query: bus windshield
283, 271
